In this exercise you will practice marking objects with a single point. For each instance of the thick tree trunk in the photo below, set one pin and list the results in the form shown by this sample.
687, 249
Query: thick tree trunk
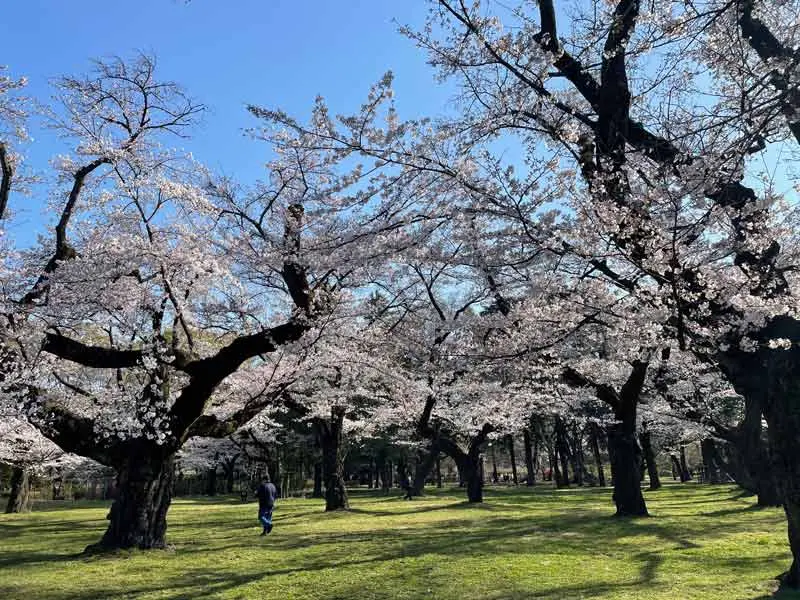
211, 481
555, 472
138, 515
425, 464
625, 460
470, 463
751, 463
513, 456
711, 462
783, 417
470, 473
19, 500
650, 459
386, 478
317, 491
229, 468
529, 463
438, 469
594, 441
333, 461
686, 474
770, 375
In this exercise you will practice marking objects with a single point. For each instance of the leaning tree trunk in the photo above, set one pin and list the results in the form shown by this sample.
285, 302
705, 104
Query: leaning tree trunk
138, 515
333, 460
469, 464
20, 499
598, 459
771, 375
650, 459
529, 464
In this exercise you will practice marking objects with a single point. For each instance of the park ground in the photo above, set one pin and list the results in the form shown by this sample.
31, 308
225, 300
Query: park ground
701, 542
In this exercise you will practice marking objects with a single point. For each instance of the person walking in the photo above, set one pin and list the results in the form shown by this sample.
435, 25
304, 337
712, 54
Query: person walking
266, 493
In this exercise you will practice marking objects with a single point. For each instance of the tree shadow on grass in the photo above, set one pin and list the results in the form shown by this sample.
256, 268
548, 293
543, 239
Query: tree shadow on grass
477, 532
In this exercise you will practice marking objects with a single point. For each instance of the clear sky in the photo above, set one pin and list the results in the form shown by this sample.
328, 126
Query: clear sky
226, 53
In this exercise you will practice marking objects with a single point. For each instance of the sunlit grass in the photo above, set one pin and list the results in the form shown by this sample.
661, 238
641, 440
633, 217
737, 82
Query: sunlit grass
701, 542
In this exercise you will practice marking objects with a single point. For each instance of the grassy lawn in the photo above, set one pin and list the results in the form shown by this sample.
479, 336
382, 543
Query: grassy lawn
702, 542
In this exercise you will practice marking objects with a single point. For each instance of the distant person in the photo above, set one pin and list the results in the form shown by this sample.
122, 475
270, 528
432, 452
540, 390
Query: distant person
266, 493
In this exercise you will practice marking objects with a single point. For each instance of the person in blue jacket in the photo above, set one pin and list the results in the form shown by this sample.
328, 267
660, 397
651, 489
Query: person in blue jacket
266, 493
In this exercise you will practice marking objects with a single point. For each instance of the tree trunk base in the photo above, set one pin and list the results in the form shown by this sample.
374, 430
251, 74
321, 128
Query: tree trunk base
138, 515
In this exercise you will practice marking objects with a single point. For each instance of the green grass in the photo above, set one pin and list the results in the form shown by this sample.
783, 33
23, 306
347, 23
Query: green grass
701, 542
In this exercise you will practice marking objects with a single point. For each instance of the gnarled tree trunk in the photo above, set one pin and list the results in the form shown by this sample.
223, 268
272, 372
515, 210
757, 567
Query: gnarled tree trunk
771, 374
469, 463
19, 500
138, 515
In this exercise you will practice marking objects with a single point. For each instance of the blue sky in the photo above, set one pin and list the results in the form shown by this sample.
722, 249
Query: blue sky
275, 53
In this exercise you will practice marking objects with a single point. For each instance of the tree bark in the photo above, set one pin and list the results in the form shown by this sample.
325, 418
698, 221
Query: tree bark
594, 434
211, 481
229, 468
333, 460
19, 501
317, 492
138, 515
513, 456
438, 469
469, 463
563, 450
625, 460
470, 473
711, 462
686, 475
495, 474
650, 459
555, 472
577, 455
529, 464
771, 376
425, 464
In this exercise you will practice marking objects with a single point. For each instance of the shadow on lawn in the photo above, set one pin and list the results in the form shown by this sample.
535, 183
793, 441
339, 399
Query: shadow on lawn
481, 530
